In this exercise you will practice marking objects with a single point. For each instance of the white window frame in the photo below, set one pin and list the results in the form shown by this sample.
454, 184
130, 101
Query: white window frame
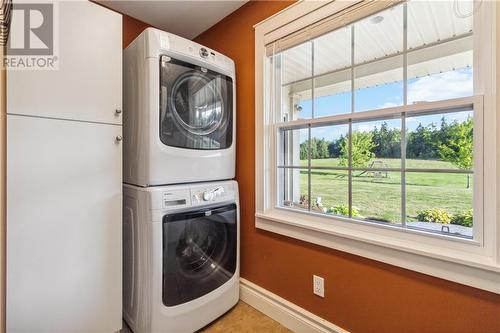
471, 262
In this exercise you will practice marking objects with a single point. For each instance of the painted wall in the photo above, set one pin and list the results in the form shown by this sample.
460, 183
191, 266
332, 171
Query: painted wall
131, 29
361, 295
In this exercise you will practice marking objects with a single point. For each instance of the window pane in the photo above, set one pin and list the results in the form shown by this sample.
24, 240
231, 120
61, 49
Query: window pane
441, 72
292, 191
440, 202
293, 147
329, 145
432, 21
329, 191
440, 141
293, 74
333, 94
379, 84
379, 35
376, 144
297, 63
332, 91
376, 196
332, 51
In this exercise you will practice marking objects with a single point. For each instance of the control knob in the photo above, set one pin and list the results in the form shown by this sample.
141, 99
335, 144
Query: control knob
212, 194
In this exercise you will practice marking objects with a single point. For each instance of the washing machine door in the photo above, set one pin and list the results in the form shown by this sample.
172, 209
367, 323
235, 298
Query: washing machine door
199, 252
196, 106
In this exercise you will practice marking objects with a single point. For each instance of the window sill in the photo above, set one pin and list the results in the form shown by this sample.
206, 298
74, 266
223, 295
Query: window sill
472, 269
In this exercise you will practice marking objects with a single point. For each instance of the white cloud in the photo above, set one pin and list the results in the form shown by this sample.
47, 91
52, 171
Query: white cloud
388, 105
446, 85
364, 127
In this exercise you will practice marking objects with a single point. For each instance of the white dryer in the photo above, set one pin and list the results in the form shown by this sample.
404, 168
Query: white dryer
179, 111
181, 255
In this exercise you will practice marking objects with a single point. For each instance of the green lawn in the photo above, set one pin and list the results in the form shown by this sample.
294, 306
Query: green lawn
387, 162
379, 197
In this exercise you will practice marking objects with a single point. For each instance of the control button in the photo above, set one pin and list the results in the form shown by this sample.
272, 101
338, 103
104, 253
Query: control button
203, 53
211, 195
208, 196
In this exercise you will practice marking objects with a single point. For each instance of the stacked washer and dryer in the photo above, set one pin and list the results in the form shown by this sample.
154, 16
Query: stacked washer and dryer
181, 210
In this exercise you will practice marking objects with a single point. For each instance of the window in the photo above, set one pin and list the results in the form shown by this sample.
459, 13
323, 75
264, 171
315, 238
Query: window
376, 132
412, 169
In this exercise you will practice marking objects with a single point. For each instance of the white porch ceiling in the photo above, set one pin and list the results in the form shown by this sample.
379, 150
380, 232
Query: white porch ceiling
379, 43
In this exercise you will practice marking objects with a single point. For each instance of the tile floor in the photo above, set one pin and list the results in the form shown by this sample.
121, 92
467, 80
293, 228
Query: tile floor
245, 319
242, 319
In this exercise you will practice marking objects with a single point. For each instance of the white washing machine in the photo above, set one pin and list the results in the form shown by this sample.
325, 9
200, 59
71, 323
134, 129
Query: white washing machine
181, 255
179, 111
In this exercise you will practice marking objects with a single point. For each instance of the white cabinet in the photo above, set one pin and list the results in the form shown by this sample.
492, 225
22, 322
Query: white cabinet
64, 181
88, 84
64, 226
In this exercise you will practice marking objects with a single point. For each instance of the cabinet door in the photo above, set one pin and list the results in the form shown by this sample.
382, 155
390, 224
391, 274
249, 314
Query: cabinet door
88, 84
64, 261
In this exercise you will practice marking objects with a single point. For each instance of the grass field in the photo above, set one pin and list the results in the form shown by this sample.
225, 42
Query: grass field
379, 198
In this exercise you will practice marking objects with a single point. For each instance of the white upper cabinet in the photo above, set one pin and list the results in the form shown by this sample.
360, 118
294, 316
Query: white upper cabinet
88, 84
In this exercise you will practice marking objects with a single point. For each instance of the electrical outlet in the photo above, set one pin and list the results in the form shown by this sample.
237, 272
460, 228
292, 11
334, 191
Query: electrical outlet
318, 286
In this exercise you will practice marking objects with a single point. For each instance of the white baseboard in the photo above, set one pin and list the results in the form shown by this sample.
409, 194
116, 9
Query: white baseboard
286, 313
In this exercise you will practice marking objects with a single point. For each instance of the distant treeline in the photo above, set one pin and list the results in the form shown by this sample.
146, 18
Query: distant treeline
425, 142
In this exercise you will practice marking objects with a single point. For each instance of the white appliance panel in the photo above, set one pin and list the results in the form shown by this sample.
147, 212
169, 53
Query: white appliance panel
88, 84
144, 309
147, 160
64, 234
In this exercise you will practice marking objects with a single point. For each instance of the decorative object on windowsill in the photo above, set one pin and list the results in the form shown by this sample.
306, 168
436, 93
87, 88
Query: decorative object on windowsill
319, 206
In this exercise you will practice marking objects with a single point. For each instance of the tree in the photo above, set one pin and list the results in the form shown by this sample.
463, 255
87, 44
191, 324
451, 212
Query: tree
322, 147
362, 149
423, 142
459, 146
314, 148
387, 141
303, 150
334, 147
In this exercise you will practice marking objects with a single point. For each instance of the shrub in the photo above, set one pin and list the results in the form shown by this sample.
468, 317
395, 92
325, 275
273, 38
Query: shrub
434, 215
463, 219
342, 210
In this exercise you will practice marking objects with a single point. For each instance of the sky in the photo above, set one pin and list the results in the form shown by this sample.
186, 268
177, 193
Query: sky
447, 85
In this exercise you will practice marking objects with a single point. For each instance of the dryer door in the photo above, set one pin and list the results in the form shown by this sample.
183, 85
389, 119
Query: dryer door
196, 106
199, 252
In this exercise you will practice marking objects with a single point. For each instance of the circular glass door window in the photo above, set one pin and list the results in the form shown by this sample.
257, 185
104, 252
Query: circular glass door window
197, 103
201, 248
196, 106
199, 252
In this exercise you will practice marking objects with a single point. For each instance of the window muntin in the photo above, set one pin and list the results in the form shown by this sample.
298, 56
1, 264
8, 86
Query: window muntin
413, 67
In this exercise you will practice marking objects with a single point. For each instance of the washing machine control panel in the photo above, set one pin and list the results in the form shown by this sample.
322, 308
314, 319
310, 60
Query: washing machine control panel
211, 194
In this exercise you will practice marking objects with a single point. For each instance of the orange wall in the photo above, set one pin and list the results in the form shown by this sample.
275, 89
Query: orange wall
131, 29
361, 295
